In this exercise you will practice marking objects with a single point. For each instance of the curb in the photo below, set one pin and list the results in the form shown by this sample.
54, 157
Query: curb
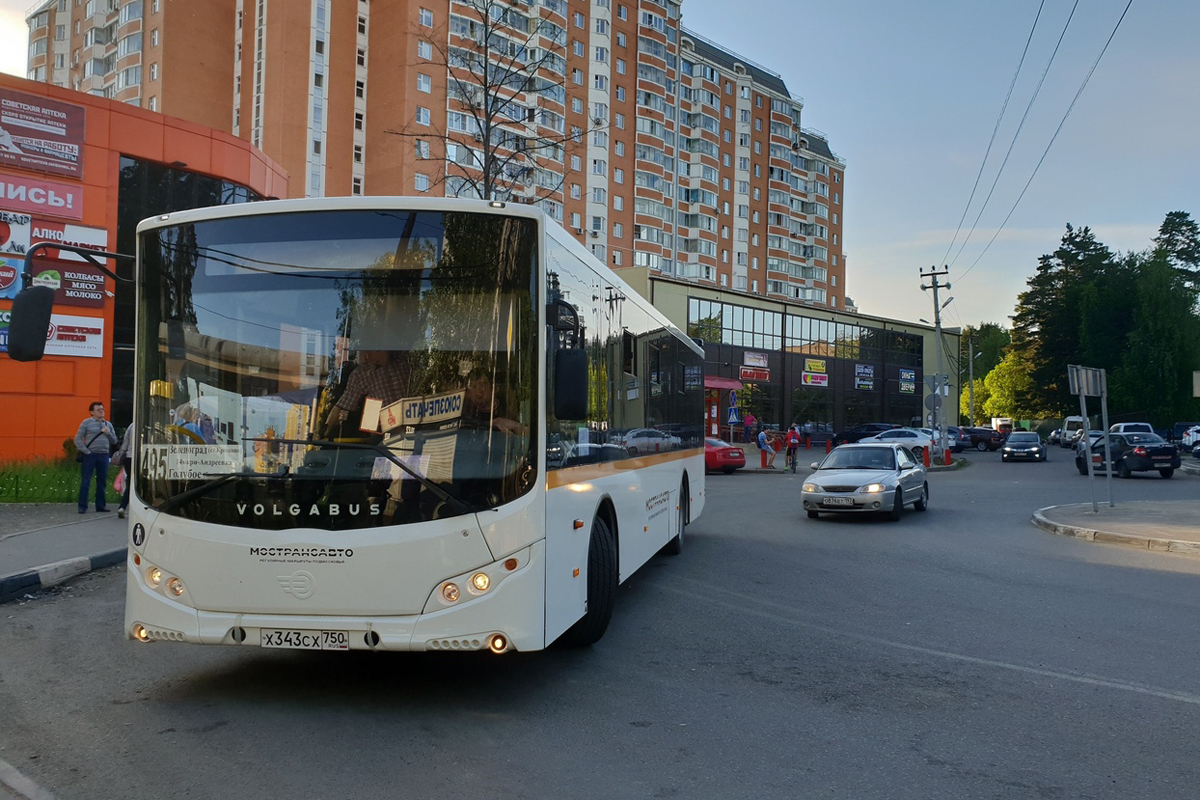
1153, 543
1190, 467
33, 580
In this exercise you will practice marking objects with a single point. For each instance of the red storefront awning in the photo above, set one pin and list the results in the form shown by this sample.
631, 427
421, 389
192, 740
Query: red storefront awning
717, 382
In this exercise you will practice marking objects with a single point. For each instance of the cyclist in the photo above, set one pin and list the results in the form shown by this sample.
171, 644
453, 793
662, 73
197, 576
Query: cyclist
792, 440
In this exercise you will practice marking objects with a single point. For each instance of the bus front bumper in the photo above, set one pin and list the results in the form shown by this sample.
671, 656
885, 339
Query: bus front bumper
514, 611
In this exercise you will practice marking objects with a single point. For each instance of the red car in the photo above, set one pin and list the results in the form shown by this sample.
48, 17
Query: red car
723, 456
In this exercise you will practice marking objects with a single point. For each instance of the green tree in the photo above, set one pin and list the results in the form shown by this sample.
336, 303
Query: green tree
1047, 326
1007, 386
1179, 238
1154, 377
981, 396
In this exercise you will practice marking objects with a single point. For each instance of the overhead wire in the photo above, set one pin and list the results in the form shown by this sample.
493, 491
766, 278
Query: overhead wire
995, 129
1057, 130
1037, 90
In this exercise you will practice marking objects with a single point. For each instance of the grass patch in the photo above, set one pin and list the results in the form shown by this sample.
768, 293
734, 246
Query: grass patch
47, 482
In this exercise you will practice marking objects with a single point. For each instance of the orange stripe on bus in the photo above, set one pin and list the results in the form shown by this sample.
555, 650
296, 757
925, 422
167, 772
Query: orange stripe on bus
589, 472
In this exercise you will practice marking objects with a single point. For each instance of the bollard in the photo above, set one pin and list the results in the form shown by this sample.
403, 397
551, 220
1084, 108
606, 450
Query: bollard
925, 456
807, 442
828, 443
949, 458
763, 458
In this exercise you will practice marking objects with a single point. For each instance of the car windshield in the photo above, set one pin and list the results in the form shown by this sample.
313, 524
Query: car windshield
337, 369
860, 458
1023, 438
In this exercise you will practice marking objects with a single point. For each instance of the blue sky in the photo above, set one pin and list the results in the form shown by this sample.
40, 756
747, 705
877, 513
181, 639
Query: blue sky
908, 92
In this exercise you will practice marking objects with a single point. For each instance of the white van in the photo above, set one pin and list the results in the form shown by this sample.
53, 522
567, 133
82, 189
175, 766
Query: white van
1131, 427
1070, 429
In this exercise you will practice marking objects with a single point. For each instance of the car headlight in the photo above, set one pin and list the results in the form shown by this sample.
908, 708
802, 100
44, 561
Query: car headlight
1008, 449
810, 487
873, 488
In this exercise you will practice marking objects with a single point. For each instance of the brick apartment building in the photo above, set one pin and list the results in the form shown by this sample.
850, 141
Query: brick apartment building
674, 155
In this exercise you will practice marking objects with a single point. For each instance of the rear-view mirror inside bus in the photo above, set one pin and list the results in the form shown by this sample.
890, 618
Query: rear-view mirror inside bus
570, 384
29, 322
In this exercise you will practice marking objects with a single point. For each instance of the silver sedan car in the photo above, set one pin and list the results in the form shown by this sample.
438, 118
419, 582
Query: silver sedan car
868, 477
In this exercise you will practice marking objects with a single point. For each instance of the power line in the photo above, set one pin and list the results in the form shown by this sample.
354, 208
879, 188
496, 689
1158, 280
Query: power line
988, 151
1057, 130
1037, 90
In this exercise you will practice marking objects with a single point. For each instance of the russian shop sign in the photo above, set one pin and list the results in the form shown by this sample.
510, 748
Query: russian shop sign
41, 134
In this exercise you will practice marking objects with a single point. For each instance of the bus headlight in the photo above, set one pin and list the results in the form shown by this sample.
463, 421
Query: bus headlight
154, 576
481, 581
175, 586
450, 593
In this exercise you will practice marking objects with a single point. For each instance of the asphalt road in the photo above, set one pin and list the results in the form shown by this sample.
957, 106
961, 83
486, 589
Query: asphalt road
959, 653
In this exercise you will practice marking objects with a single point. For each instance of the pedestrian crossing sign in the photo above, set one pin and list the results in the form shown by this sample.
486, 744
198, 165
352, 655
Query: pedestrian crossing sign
733, 416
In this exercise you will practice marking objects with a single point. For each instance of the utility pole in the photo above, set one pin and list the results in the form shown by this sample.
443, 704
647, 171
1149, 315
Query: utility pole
971, 376
933, 275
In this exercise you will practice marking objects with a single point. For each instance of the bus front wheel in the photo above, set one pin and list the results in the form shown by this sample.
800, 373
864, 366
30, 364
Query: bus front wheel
601, 588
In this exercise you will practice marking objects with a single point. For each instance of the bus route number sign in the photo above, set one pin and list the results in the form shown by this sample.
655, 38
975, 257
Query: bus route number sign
305, 640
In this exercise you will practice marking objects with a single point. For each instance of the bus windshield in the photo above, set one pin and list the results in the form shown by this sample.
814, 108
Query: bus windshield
337, 369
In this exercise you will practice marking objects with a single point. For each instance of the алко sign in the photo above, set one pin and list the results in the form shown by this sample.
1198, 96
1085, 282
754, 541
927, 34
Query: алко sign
76, 283
41, 134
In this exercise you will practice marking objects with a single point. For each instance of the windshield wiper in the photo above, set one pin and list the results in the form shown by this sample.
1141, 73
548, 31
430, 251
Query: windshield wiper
176, 500
462, 505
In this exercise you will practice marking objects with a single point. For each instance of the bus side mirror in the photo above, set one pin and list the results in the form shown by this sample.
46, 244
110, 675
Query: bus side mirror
570, 384
29, 323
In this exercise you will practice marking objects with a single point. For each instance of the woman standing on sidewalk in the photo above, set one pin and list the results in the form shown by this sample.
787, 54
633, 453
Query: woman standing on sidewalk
94, 440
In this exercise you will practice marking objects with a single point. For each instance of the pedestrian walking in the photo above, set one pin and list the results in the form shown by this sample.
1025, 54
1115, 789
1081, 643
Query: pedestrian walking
94, 440
748, 421
767, 446
120, 459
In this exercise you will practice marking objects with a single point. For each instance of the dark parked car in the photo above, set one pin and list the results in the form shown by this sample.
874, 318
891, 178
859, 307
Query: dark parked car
1023, 446
851, 435
1132, 452
984, 438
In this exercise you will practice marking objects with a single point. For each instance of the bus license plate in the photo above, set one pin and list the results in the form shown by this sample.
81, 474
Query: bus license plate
306, 640
839, 501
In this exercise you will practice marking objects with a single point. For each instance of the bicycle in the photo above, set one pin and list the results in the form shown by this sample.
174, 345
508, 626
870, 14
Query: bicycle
791, 458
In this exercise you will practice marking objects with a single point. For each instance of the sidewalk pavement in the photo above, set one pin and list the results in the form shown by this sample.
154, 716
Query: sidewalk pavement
43, 544
1171, 527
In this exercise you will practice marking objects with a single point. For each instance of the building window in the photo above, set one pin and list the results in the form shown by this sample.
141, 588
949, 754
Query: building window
578, 20
318, 79
621, 13
599, 195
358, 120
154, 104
362, 57
575, 222
425, 17
360, 89
618, 230
421, 182
616, 258
577, 47
358, 153
320, 46
424, 50
601, 82
620, 40
576, 191
362, 25
601, 27
356, 185
599, 167
317, 146
422, 148
422, 115
154, 38
424, 83
601, 54
618, 203
154, 71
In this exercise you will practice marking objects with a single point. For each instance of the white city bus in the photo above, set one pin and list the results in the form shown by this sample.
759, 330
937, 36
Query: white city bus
395, 424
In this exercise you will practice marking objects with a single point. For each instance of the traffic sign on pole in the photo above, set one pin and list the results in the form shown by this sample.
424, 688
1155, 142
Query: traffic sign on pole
733, 416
